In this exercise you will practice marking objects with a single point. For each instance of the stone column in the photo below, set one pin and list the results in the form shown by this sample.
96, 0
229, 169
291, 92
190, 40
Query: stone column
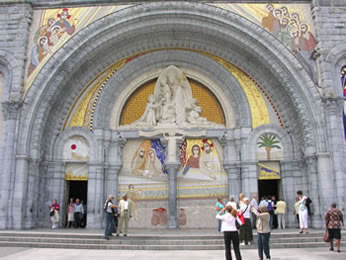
55, 185
234, 179
335, 134
7, 173
32, 194
112, 181
289, 174
325, 181
18, 189
172, 195
316, 217
249, 178
231, 162
95, 195
114, 158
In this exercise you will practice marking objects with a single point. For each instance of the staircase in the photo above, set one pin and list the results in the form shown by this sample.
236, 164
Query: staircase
186, 240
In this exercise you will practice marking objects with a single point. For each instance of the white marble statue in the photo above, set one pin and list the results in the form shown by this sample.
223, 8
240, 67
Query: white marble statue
172, 105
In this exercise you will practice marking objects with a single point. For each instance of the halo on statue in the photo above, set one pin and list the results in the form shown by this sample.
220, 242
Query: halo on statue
172, 105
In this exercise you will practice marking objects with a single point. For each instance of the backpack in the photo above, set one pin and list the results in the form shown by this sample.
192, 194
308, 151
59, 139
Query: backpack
105, 206
270, 206
308, 201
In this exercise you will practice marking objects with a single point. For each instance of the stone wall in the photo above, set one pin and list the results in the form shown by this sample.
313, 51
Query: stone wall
14, 29
330, 24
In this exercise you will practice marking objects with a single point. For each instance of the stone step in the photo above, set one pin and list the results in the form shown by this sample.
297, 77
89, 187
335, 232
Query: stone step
152, 247
148, 241
316, 234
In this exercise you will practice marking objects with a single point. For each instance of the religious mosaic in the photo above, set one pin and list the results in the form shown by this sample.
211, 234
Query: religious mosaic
343, 84
291, 23
268, 170
269, 147
144, 175
52, 28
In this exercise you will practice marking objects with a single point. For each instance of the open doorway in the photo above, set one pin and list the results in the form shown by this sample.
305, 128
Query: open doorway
78, 189
268, 188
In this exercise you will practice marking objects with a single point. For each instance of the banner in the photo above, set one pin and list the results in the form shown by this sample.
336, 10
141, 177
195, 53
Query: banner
268, 173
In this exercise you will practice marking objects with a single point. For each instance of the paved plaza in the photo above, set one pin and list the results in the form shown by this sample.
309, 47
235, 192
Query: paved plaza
73, 254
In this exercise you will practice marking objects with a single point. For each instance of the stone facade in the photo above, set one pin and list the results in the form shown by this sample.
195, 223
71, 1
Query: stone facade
32, 150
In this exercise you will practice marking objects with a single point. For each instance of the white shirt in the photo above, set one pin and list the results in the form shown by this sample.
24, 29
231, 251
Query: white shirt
246, 209
109, 206
263, 203
228, 222
126, 204
302, 206
254, 203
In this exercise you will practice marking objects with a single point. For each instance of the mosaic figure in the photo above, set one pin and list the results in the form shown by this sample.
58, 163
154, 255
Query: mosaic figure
153, 165
63, 22
193, 161
209, 162
268, 21
134, 195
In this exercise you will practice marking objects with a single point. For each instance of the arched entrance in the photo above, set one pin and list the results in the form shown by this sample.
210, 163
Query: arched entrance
220, 54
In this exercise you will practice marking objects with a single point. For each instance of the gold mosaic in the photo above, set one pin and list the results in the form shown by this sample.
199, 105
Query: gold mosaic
135, 105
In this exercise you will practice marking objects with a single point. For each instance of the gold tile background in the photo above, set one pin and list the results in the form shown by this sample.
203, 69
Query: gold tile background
135, 105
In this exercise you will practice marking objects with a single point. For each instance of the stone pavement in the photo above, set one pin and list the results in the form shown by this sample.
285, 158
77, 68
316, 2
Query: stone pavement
73, 254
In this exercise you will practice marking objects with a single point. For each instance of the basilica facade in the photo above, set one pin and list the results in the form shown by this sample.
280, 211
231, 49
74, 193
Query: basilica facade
174, 103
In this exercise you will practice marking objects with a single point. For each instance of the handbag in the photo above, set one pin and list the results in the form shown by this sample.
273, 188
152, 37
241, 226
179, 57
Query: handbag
326, 236
241, 216
237, 225
51, 213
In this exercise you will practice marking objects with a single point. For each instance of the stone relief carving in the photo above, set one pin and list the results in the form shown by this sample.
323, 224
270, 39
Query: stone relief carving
172, 105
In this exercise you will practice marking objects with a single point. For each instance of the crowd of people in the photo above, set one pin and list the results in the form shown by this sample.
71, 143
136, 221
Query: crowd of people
236, 219
76, 213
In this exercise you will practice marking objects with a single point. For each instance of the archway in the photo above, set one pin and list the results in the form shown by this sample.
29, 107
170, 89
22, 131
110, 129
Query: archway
182, 27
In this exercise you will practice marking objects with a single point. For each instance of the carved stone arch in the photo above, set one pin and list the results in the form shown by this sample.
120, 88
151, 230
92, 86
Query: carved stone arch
132, 30
57, 151
201, 68
337, 59
8, 65
285, 139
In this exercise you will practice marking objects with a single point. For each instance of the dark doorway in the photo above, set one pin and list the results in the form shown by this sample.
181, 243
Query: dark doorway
78, 189
268, 188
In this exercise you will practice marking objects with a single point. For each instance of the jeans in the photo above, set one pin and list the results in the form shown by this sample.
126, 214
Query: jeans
253, 220
234, 237
77, 219
271, 213
263, 244
109, 224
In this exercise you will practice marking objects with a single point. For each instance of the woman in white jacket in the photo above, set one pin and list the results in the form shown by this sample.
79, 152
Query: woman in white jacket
230, 231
